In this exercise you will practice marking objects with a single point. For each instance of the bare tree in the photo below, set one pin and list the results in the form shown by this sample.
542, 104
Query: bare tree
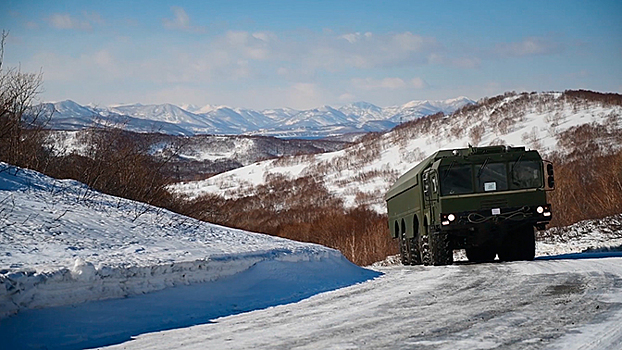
21, 124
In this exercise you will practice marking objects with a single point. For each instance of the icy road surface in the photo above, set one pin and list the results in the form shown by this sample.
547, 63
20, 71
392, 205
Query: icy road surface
545, 304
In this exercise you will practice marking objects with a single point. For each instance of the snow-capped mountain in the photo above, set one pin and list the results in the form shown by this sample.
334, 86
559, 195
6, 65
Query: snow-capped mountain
417, 109
284, 122
68, 115
362, 111
165, 113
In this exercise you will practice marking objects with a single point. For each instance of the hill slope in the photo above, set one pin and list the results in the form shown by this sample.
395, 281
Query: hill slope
362, 173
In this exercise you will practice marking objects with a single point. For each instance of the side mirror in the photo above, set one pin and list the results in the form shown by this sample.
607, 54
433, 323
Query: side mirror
551, 182
426, 185
550, 179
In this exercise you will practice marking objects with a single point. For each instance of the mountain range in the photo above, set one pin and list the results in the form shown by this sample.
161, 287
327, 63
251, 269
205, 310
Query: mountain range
325, 121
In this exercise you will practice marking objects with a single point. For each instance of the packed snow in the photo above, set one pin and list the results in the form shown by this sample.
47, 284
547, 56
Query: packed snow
544, 304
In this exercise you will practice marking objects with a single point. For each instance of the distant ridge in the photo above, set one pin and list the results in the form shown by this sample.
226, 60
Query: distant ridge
325, 121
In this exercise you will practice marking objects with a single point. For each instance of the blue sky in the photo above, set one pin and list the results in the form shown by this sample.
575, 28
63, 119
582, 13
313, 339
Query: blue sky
304, 54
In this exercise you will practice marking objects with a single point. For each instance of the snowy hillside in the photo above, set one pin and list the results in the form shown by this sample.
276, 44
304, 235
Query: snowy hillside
362, 173
63, 244
285, 122
199, 156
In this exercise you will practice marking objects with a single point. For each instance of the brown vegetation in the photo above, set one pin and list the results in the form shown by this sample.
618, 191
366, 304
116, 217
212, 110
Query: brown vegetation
302, 209
115, 163
588, 174
587, 188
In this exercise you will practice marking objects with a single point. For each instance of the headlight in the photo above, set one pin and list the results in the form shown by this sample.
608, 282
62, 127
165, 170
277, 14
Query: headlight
451, 217
540, 210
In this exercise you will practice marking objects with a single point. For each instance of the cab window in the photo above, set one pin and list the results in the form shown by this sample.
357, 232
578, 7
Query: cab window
526, 174
456, 179
491, 177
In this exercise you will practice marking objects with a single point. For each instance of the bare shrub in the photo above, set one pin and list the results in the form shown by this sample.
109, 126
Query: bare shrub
587, 187
587, 140
456, 131
610, 99
476, 133
114, 163
497, 142
532, 138
21, 123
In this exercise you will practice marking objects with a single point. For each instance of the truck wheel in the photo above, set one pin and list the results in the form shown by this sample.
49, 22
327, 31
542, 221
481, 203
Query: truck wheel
480, 254
519, 244
415, 256
440, 249
424, 248
404, 249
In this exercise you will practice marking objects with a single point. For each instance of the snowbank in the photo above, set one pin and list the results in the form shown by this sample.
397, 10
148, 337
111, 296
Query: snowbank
62, 243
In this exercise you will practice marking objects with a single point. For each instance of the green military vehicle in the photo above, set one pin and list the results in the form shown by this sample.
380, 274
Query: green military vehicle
486, 200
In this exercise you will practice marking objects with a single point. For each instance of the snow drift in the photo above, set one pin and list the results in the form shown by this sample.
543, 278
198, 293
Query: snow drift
62, 244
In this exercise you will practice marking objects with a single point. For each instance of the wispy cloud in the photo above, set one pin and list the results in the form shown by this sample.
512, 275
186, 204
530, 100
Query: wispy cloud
67, 21
388, 83
531, 46
181, 21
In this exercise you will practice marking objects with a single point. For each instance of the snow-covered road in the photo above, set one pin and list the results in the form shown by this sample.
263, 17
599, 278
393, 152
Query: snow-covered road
553, 304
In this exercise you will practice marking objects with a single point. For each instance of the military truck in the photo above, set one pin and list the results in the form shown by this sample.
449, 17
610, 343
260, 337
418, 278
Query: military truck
486, 200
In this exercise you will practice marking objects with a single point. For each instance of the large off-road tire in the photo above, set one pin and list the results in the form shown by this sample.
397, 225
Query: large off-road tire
519, 244
435, 248
440, 249
415, 255
404, 249
424, 248
483, 253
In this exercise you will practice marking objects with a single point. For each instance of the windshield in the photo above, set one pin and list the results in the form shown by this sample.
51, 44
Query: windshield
456, 179
492, 177
489, 177
526, 174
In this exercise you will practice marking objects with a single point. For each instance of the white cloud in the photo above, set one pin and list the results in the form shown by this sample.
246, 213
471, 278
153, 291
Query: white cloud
254, 46
304, 95
465, 62
256, 68
347, 97
388, 83
180, 21
529, 47
418, 83
368, 51
66, 21
410, 42
264, 36
94, 67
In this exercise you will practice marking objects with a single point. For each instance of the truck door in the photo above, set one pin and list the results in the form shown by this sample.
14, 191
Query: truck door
431, 188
